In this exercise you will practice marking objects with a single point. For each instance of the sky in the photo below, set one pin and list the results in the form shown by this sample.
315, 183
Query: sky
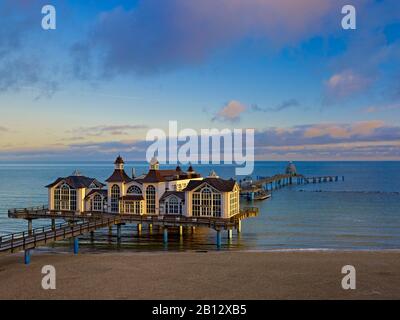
112, 70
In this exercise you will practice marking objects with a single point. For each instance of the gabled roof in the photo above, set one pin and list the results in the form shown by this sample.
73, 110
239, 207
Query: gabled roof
179, 194
77, 182
217, 183
119, 175
102, 192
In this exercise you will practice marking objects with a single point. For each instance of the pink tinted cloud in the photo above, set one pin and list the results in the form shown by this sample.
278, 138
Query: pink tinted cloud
231, 111
346, 83
364, 128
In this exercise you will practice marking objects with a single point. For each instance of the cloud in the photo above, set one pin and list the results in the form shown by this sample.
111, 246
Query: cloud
382, 108
230, 112
107, 130
21, 57
287, 104
367, 140
3, 129
154, 38
345, 84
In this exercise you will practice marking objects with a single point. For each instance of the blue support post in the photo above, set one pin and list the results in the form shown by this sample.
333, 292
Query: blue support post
165, 235
218, 239
27, 256
76, 245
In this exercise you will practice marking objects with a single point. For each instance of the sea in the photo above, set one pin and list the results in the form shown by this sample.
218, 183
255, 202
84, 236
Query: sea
361, 212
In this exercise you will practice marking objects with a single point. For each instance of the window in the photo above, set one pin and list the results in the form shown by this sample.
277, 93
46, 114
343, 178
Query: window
206, 202
72, 199
134, 207
134, 190
173, 206
115, 194
65, 198
97, 203
234, 202
57, 199
151, 200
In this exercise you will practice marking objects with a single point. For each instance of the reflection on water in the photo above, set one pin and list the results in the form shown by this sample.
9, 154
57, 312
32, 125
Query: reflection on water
362, 212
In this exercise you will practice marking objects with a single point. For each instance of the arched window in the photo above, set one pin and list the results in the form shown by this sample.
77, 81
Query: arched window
206, 202
134, 190
150, 200
97, 203
173, 206
64, 197
115, 194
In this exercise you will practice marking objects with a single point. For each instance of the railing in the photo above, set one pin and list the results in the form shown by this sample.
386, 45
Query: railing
22, 239
31, 209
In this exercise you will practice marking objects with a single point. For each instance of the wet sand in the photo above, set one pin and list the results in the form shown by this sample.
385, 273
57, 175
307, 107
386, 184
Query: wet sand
203, 275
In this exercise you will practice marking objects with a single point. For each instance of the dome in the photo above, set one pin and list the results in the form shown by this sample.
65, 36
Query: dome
291, 169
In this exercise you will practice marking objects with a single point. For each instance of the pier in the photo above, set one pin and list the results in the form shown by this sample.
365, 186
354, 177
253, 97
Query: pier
79, 224
279, 181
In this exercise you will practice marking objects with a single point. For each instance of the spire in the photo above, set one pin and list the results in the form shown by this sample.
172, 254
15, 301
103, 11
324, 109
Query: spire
154, 164
119, 163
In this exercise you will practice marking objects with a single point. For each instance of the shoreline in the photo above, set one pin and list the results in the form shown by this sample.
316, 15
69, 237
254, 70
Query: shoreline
203, 275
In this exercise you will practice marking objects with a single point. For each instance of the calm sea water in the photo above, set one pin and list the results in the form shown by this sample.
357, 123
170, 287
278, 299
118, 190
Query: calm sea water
362, 212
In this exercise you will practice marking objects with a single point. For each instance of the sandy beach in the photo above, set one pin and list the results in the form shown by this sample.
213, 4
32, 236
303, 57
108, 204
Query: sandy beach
203, 275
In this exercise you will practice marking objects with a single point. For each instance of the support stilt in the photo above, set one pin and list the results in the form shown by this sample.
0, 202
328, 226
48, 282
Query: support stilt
139, 228
239, 226
27, 257
230, 234
151, 228
118, 232
218, 239
76, 245
53, 224
193, 229
30, 227
91, 236
165, 235
180, 231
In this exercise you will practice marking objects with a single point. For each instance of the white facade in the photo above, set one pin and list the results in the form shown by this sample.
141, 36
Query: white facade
159, 192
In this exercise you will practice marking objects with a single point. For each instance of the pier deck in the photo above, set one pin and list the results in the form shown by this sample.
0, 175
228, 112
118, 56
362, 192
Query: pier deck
81, 223
34, 238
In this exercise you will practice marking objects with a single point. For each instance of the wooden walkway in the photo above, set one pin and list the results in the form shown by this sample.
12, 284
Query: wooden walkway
82, 223
34, 238
281, 180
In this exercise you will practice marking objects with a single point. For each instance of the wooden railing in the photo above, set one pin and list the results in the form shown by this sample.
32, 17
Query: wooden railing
20, 240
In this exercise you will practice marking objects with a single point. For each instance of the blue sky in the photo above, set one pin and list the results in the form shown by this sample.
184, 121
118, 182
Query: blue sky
112, 70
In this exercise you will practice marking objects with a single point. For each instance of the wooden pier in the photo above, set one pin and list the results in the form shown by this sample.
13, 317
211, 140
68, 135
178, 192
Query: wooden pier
81, 223
279, 181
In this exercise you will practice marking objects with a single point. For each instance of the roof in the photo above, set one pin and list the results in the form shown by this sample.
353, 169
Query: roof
167, 175
119, 160
291, 168
119, 175
77, 182
217, 183
132, 198
102, 192
179, 194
